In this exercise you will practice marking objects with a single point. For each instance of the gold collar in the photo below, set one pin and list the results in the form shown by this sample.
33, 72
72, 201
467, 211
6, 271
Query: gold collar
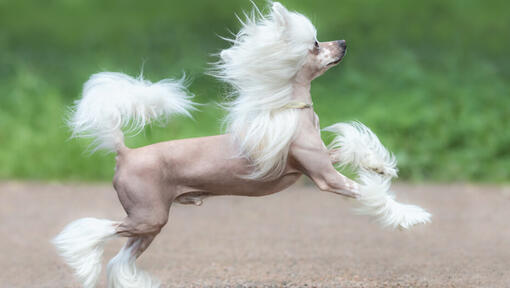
297, 105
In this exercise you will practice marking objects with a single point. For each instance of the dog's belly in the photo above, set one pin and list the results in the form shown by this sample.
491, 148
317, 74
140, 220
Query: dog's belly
239, 186
196, 193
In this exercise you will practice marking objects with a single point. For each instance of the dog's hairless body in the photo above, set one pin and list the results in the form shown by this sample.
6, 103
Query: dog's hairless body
150, 178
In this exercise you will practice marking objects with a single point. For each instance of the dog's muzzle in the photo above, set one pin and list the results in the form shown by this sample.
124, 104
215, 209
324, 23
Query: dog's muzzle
343, 47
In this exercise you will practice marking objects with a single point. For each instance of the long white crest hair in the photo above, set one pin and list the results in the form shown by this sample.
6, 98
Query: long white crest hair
265, 56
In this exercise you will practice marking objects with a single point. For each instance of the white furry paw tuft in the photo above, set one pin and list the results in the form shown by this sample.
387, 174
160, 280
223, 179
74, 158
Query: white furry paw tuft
358, 147
123, 273
81, 246
377, 200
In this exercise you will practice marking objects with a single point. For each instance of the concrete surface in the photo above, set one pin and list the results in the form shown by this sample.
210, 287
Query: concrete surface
298, 238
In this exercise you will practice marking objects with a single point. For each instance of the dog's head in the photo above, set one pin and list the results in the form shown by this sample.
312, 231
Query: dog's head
275, 49
318, 56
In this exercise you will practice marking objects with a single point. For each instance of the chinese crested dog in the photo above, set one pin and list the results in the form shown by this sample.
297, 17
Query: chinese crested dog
272, 139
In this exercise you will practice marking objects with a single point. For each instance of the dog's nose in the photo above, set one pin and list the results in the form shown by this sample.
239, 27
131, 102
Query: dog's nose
342, 44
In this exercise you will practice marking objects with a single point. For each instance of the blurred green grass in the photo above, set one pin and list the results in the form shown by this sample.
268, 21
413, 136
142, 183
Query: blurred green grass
431, 78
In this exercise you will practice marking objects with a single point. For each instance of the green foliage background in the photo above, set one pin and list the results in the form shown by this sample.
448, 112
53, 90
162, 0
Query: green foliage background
431, 78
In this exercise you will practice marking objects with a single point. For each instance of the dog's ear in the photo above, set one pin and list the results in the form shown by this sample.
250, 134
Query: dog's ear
280, 14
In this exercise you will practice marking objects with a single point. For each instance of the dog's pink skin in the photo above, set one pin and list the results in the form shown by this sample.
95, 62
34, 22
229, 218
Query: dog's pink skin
150, 178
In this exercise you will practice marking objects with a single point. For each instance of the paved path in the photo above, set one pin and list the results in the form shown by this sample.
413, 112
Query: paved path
297, 238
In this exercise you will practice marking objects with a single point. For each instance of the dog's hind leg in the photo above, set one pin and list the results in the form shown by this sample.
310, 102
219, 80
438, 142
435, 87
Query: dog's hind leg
122, 271
147, 209
81, 246
141, 227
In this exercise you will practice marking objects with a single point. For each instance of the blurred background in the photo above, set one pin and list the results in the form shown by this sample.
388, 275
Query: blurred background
431, 78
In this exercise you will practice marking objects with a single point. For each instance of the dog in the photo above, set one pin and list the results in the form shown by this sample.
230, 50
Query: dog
273, 137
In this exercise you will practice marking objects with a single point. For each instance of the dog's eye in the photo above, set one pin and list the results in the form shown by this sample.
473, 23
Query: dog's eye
316, 45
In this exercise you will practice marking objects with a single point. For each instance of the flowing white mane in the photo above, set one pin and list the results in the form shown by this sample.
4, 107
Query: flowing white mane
260, 66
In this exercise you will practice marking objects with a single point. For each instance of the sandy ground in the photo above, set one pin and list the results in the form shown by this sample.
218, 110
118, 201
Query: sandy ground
298, 238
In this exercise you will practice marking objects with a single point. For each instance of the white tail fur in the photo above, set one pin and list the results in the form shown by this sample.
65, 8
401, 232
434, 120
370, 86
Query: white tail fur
81, 245
112, 101
357, 146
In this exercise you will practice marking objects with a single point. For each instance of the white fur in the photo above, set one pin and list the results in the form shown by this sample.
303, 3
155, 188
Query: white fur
356, 145
123, 273
377, 200
81, 245
112, 101
260, 65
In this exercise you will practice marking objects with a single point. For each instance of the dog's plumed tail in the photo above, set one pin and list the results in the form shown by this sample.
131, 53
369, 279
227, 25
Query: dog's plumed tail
355, 145
81, 245
113, 101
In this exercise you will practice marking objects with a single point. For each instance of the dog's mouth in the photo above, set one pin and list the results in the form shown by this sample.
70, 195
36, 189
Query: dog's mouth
336, 61
333, 63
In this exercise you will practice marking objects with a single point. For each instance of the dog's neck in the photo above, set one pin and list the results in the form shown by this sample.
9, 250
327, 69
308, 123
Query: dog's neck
301, 93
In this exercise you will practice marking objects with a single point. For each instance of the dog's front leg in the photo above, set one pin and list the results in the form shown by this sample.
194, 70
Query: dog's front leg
313, 160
